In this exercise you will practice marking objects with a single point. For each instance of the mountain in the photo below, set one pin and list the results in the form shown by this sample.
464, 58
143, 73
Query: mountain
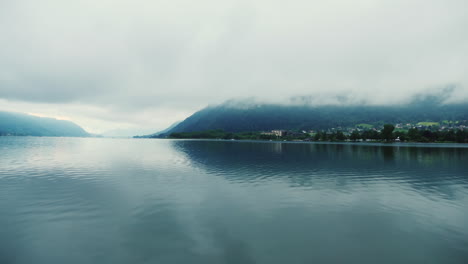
241, 116
126, 132
18, 124
160, 132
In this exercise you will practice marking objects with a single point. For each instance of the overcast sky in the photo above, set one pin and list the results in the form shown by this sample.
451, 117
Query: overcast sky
109, 64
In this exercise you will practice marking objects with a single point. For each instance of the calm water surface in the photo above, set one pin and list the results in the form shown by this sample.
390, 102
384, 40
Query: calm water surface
72, 200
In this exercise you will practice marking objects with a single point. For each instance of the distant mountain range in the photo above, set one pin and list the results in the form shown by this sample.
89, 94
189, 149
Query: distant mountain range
18, 124
241, 116
126, 132
162, 132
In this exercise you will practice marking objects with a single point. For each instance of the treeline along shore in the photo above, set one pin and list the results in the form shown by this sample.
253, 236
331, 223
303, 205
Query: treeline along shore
387, 134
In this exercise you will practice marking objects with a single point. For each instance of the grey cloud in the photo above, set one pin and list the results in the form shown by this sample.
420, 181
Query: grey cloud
140, 55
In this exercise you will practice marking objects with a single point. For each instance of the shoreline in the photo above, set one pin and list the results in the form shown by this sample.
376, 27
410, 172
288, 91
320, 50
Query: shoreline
359, 143
350, 143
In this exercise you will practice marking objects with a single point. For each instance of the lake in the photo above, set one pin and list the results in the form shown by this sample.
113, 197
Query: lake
91, 200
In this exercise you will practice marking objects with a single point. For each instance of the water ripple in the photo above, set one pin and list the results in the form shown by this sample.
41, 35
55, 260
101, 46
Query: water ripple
66, 200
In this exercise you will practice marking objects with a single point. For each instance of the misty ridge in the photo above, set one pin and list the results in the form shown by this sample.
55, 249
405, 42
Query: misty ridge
304, 113
234, 132
446, 95
142, 67
253, 114
18, 124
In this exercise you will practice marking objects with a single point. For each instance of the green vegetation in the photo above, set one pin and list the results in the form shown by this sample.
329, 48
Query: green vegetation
220, 134
388, 134
428, 123
365, 126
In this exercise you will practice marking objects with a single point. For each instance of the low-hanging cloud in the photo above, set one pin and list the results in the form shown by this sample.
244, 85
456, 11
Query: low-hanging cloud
134, 57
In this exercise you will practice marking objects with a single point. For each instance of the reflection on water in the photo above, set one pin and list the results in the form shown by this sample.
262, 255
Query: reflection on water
71, 200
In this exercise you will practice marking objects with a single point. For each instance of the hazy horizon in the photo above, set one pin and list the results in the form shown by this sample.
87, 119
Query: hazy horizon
143, 65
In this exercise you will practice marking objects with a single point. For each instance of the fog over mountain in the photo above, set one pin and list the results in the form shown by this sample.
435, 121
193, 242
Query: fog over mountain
249, 115
143, 65
18, 124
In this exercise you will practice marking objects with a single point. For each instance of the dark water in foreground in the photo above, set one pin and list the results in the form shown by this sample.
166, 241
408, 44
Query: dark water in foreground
65, 200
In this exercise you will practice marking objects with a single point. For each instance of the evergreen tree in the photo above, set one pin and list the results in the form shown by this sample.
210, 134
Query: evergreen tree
387, 132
